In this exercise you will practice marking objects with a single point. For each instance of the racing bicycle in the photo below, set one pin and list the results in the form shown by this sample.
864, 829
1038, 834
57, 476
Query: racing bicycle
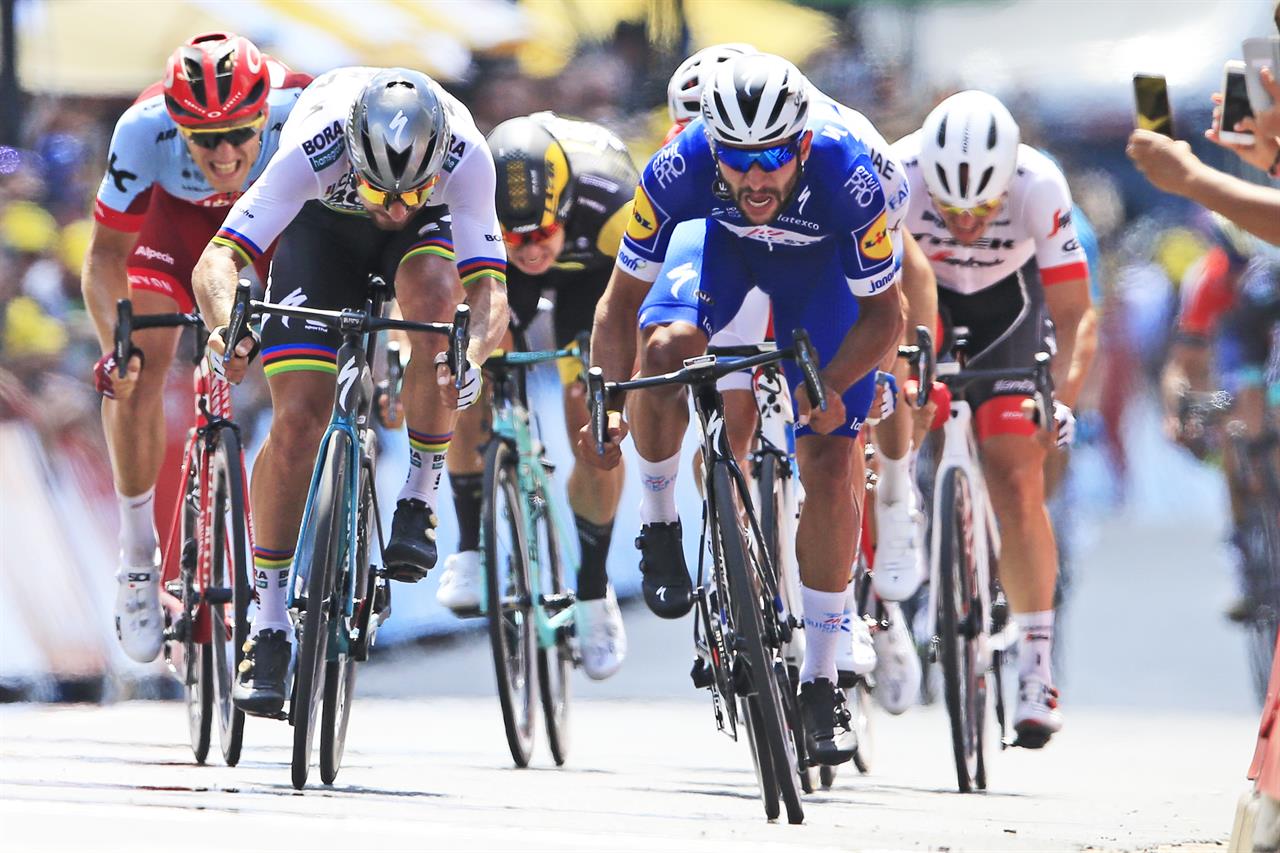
207, 556
742, 624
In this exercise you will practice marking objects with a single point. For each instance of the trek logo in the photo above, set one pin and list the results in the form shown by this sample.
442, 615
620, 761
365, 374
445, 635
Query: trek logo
1061, 219
966, 263
322, 140
994, 244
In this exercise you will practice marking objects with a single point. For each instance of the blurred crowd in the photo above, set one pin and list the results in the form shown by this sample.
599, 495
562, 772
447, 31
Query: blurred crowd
47, 184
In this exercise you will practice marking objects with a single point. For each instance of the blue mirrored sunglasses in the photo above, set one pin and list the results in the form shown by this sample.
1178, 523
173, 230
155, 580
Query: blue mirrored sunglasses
769, 159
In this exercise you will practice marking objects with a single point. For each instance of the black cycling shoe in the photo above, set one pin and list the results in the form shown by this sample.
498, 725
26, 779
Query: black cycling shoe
259, 687
668, 592
828, 734
411, 553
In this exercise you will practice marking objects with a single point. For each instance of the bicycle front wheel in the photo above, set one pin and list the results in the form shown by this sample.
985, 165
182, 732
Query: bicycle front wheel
553, 660
960, 626
322, 542
1259, 536
197, 658
229, 585
506, 571
748, 607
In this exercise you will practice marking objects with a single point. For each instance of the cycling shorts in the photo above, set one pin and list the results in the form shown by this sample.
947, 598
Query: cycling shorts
174, 233
708, 273
576, 293
323, 260
1008, 325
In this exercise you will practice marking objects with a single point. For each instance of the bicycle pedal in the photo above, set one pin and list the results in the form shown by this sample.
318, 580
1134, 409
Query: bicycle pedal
846, 679
702, 674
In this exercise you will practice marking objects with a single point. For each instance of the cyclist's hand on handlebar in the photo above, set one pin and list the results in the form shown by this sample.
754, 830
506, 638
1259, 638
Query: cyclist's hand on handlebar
235, 370
107, 379
886, 400
1066, 420
615, 430
823, 423
935, 411
453, 397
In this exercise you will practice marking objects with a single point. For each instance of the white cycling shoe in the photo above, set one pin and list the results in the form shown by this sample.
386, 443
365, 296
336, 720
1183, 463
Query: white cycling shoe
461, 582
897, 664
1037, 717
855, 654
601, 640
139, 617
900, 567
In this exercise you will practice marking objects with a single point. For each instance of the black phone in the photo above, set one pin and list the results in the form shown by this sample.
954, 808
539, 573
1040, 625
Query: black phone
1235, 104
1151, 98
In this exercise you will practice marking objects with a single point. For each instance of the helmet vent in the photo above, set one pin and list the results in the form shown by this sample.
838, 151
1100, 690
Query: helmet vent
942, 136
942, 178
986, 179
964, 180
991, 135
777, 111
398, 162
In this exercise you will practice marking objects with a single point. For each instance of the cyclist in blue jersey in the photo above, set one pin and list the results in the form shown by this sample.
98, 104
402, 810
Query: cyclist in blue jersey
798, 211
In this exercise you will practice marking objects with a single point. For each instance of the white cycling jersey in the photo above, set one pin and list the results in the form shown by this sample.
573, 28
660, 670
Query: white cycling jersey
1035, 222
312, 164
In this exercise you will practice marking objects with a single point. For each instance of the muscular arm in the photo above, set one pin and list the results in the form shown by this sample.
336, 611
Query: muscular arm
1069, 303
919, 287
214, 282
489, 317
104, 278
878, 329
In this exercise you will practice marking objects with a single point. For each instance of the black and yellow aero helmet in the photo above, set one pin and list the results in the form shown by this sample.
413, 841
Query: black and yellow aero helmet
533, 176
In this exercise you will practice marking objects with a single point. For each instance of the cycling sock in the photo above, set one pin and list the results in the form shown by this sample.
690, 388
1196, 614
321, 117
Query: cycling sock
593, 541
823, 618
1035, 657
894, 484
468, 493
270, 582
658, 492
138, 527
426, 467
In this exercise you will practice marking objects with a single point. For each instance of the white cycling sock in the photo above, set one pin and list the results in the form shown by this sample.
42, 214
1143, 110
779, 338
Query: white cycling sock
138, 527
894, 484
270, 582
823, 620
426, 467
658, 490
1035, 657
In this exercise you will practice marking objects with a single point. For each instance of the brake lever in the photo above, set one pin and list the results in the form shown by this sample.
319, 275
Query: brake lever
236, 323
595, 402
459, 341
124, 335
807, 359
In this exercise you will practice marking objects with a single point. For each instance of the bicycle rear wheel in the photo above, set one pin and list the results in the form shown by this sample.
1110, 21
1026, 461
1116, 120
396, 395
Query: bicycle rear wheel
229, 585
554, 660
960, 625
1260, 546
511, 636
748, 606
322, 542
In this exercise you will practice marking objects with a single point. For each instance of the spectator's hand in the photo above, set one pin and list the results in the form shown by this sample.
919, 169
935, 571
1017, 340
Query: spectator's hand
1265, 128
1167, 163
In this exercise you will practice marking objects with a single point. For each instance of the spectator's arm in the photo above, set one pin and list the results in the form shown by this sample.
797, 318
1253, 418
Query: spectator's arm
1171, 167
104, 278
1264, 153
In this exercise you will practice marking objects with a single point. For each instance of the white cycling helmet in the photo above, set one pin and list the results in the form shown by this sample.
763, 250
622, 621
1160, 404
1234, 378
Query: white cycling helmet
684, 90
755, 99
969, 149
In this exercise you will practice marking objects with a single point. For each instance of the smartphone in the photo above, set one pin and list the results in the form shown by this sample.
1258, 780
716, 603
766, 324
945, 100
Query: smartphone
1151, 97
1235, 104
1259, 52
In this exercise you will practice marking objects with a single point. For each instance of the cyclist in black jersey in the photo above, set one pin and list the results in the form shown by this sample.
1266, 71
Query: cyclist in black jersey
564, 194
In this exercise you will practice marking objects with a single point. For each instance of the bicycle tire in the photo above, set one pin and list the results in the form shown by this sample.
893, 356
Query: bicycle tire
325, 552
553, 661
1260, 538
762, 761
197, 681
511, 639
200, 702
747, 606
340, 674
228, 635
958, 628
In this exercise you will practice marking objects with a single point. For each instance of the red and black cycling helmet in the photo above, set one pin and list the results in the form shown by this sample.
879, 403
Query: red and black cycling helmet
216, 78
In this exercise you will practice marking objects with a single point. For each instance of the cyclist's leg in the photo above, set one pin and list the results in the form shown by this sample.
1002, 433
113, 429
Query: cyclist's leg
159, 273
749, 326
428, 289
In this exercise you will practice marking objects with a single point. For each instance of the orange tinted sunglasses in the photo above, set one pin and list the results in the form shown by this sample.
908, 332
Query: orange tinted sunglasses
382, 198
546, 232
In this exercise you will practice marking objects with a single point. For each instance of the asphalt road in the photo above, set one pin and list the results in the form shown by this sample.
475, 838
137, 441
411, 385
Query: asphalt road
1160, 729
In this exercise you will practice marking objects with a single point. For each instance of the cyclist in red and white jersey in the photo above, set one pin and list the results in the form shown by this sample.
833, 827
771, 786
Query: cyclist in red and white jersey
997, 230
179, 156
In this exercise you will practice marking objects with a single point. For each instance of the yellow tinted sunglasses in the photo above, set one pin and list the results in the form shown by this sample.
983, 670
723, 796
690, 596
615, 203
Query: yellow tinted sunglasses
382, 198
985, 209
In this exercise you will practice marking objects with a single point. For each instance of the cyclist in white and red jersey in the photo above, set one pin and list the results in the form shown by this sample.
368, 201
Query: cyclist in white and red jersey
998, 232
179, 156
379, 171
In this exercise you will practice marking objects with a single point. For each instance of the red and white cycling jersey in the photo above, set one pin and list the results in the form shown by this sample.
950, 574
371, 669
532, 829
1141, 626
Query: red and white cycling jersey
1035, 222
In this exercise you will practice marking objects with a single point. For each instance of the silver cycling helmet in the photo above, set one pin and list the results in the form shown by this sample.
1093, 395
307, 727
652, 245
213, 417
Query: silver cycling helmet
684, 89
756, 99
398, 131
969, 149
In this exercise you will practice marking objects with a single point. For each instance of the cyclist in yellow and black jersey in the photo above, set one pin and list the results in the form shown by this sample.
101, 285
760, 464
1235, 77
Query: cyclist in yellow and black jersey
564, 191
